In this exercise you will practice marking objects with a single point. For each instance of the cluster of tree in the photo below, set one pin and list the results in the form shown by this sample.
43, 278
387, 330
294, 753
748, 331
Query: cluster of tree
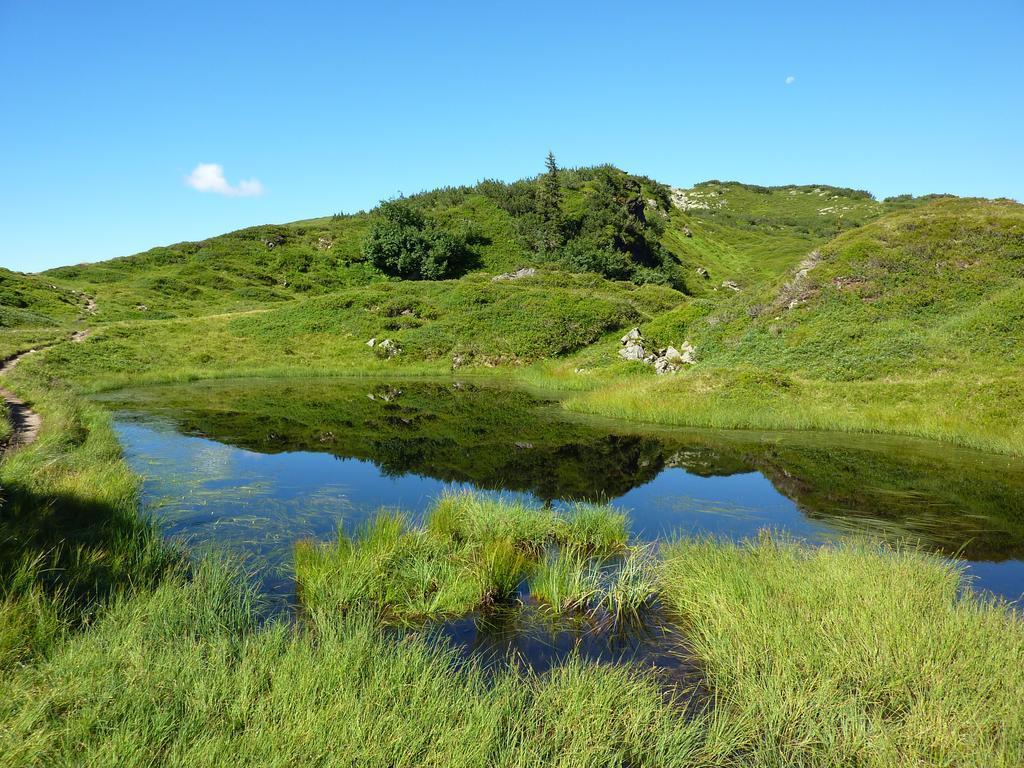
610, 232
605, 227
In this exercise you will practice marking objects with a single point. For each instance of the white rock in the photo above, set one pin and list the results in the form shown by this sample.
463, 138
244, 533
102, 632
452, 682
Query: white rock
633, 335
519, 273
371, 343
390, 347
689, 354
632, 351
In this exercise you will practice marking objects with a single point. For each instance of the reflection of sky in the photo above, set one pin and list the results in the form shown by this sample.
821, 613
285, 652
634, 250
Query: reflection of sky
736, 506
256, 505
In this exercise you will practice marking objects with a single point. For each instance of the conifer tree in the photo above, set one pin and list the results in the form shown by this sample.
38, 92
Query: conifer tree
550, 204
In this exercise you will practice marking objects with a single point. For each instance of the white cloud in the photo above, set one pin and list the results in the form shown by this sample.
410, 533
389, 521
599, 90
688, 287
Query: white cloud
790, 80
209, 177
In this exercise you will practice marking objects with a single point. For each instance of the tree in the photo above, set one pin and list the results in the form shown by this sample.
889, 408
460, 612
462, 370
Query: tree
549, 205
403, 243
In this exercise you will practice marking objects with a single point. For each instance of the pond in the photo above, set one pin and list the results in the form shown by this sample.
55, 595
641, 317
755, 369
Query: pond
252, 466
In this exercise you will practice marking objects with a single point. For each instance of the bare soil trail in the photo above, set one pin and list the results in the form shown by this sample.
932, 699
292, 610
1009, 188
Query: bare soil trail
25, 423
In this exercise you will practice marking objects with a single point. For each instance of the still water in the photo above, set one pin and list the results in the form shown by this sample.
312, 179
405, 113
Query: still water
249, 467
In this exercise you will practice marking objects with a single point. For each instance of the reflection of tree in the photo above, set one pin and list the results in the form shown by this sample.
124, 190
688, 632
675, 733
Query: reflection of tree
970, 508
499, 438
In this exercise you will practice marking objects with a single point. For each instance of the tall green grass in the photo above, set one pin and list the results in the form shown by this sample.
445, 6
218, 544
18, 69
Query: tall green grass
850, 654
566, 580
596, 528
183, 676
472, 551
405, 574
71, 534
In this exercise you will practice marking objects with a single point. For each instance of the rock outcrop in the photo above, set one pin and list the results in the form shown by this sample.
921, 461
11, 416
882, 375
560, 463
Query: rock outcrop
387, 348
667, 360
519, 273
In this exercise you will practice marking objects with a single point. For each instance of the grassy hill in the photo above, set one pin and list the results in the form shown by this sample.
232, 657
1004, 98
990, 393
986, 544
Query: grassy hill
752, 234
933, 288
34, 301
745, 233
808, 306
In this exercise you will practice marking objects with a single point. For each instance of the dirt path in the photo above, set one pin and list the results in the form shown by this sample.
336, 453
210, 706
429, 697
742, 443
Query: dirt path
25, 423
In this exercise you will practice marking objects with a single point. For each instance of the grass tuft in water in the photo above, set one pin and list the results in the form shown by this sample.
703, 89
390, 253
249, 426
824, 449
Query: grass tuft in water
566, 580
472, 552
631, 586
596, 528
501, 567
407, 574
475, 518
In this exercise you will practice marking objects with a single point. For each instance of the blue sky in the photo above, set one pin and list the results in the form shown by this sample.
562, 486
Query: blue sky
311, 108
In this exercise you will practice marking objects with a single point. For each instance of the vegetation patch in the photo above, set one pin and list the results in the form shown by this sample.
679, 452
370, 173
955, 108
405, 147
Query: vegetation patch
472, 552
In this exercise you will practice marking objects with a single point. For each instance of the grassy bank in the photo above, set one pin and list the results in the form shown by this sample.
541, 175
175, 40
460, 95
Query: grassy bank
72, 538
982, 412
115, 654
850, 655
181, 676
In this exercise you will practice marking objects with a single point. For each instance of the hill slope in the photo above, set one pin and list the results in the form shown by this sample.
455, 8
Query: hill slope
930, 289
34, 301
736, 232
809, 307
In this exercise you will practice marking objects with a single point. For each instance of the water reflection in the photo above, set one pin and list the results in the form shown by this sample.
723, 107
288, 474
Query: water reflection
255, 465
527, 637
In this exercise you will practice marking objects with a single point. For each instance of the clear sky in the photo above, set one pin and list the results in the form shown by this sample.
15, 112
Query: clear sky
134, 124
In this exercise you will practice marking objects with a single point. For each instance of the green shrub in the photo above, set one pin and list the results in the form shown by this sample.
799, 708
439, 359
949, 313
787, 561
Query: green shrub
403, 243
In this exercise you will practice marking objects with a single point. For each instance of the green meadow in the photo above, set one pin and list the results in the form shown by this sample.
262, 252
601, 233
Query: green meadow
807, 307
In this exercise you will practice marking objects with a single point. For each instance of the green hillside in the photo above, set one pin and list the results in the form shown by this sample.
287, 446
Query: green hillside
806, 306
35, 301
748, 234
928, 290
752, 234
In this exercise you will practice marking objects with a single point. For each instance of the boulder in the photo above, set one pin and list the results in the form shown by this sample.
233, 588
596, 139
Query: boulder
632, 351
688, 354
731, 285
703, 273
389, 347
518, 274
371, 343
663, 365
666, 360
